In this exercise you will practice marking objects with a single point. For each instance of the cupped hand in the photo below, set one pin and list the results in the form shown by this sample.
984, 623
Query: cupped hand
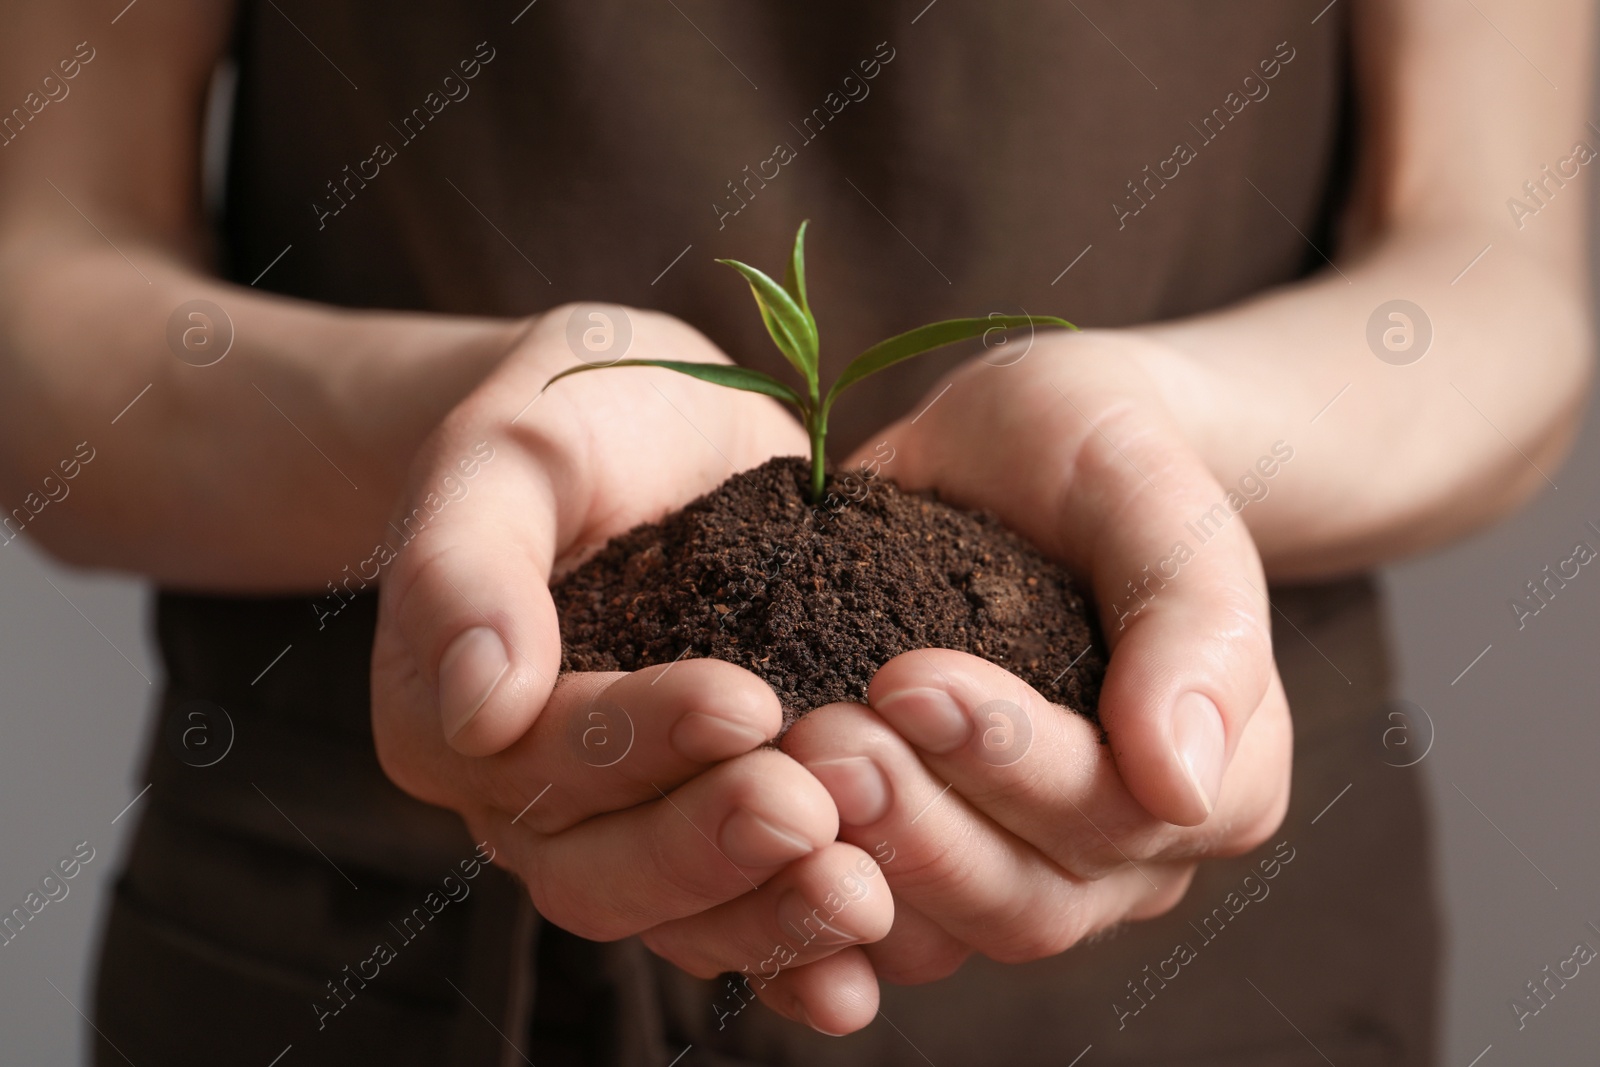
1006, 826
626, 803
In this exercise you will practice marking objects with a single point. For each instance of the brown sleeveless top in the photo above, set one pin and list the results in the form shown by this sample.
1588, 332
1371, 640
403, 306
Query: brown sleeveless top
1112, 163
956, 164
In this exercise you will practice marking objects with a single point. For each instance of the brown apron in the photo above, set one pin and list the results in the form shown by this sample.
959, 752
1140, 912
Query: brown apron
1111, 163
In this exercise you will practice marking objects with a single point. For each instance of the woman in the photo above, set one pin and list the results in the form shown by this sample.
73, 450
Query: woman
1313, 305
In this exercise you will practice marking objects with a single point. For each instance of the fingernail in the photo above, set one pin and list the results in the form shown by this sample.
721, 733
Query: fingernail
809, 924
928, 718
859, 789
751, 841
468, 672
1198, 736
706, 738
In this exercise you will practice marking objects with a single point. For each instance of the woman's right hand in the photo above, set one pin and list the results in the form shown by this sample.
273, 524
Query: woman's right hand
626, 803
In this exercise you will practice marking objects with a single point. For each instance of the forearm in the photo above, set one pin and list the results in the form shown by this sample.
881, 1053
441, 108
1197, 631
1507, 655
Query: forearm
268, 470
1387, 458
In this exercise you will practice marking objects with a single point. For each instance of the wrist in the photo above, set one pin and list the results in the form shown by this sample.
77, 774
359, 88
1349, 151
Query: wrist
406, 374
1203, 407
1190, 391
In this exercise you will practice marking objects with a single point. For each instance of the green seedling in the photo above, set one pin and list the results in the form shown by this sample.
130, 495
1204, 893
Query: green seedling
787, 314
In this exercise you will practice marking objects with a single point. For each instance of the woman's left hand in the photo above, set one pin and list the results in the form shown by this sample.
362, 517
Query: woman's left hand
1016, 832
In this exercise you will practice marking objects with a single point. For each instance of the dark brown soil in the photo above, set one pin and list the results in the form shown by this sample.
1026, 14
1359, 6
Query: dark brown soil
816, 599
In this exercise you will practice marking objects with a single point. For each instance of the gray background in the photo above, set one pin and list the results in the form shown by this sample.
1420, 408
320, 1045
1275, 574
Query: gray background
1516, 736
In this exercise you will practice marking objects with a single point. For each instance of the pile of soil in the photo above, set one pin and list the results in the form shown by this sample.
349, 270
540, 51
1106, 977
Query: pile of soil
816, 599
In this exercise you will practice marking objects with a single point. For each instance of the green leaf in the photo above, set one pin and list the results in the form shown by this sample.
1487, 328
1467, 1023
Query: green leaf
794, 279
925, 339
789, 326
751, 381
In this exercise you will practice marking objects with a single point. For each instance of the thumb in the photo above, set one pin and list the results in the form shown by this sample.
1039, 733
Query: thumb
469, 592
1182, 602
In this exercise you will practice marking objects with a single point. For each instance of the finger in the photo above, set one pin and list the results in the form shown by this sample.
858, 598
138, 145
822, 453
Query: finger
818, 905
1022, 761
1187, 670
717, 837
1096, 473
834, 996
1039, 770
916, 950
469, 598
975, 879
1173, 882
605, 742
979, 882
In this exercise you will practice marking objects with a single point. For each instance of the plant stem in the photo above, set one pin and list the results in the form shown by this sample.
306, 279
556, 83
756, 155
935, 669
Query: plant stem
819, 456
